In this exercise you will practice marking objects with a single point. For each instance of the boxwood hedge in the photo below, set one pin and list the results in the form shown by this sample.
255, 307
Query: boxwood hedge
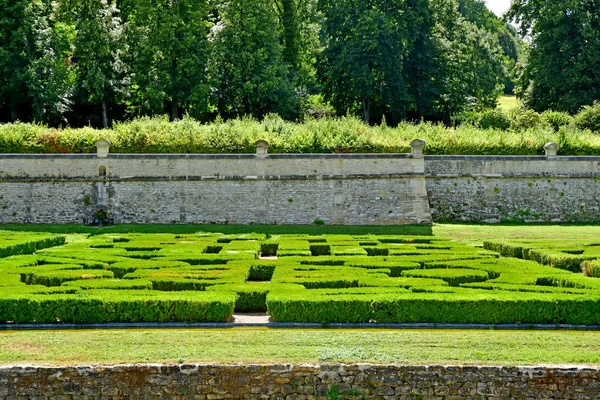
295, 278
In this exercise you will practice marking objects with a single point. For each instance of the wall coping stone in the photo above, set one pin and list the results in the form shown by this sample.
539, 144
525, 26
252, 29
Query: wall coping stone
540, 370
299, 156
175, 178
244, 156
509, 158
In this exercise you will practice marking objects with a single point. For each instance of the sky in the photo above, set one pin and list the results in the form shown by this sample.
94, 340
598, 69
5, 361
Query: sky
499, 7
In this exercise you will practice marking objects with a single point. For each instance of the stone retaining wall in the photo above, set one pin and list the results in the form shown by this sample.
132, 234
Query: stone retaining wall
513, 189
205, 381
352, 189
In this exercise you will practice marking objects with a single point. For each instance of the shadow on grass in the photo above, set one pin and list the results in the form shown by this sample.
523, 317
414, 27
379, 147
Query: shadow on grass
418, 230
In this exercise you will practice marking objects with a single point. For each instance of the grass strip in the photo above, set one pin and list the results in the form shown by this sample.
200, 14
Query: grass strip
263, 345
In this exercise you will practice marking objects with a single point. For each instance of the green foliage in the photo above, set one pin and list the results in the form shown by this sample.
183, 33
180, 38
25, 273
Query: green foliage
487, 119
591, 268
463, 43
324, 278
522, 120
589, 118
525, 308
557, 119
169, 54
476, 12
26, 244
15, 27
98, 48
335, 135
454, 277
362, 64
565, 44
250, 75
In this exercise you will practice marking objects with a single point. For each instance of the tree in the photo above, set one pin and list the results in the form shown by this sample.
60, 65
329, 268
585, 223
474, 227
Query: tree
15, 32
169, 49
476, 12
366, 45
563, 70
50, 78
98, 52
36, 77
470, 63
250, 75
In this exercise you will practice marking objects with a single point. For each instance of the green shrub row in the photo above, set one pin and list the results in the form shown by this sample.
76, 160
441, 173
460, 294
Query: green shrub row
26, 244
473, 308
563, 255
119, 272
104, 306
484, 134
519, 120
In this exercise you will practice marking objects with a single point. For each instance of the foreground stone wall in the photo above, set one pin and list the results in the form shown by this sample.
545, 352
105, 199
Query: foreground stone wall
513, 189
299, 382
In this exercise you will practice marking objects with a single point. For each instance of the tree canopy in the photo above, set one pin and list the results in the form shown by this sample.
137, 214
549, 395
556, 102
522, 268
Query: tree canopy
90, 62
563, 68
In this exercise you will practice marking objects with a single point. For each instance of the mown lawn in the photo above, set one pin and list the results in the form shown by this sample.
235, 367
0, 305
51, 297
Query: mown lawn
262, 345
506, 102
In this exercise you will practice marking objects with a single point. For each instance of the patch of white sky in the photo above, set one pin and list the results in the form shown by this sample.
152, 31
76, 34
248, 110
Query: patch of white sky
499, 7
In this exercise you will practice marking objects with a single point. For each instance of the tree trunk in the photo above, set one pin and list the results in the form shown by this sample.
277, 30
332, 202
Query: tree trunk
174, 111
367, 113
104, 115
174, 82
290, 32
14, 113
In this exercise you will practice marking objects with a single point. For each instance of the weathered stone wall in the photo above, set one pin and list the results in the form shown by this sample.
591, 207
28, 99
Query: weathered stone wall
357, 189
299, 382
280, 189
513, 189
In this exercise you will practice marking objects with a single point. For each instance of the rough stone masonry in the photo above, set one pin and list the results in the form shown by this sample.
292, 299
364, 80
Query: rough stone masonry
263, 188
300, 382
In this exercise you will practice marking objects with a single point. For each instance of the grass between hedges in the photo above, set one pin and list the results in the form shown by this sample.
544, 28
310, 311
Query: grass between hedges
262, 345
416, 230
472, 234
477, 234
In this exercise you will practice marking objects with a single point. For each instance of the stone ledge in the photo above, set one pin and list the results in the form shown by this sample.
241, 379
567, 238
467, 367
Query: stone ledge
510, 158
210, 178
243, 156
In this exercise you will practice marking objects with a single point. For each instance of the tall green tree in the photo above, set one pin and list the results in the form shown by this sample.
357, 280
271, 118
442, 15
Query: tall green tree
300, 28
250, 75
563, 69
476, 12
366, 45
50, 78
470, 61
36, 78
15, 33
98, 52
169, 50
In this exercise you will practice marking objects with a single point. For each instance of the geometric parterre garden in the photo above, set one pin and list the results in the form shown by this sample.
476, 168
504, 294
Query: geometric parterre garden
204, 277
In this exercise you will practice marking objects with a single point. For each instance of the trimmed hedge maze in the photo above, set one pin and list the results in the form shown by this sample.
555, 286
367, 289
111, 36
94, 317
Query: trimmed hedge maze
295, 278
12, 243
